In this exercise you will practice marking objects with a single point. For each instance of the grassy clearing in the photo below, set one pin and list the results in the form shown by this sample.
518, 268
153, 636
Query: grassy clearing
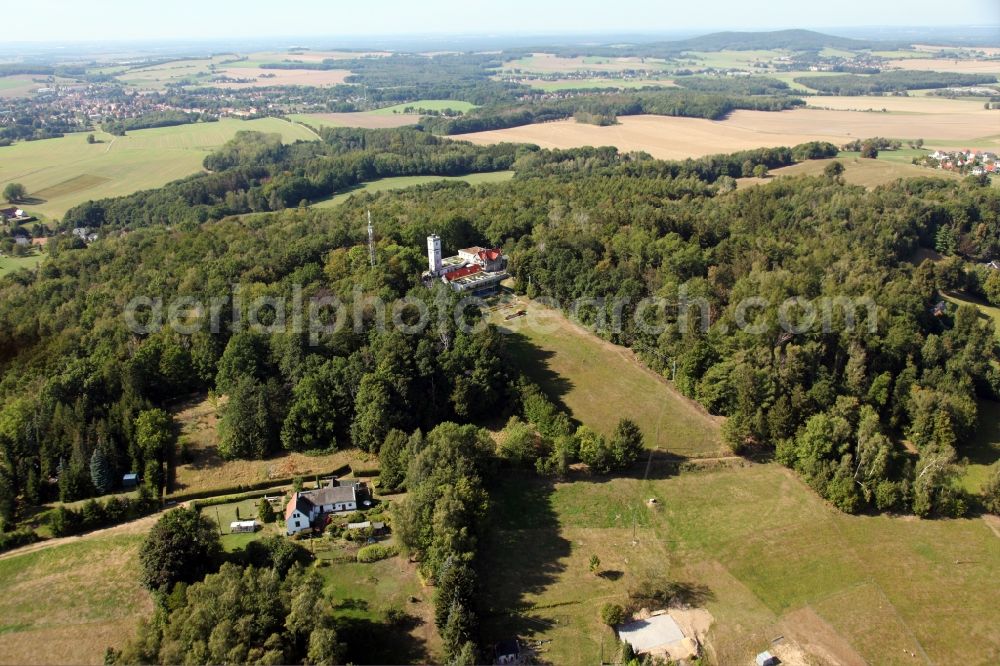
67, 604
362, 594
858, 171
429, 104
69, 171
402, 182
198, 421
762, 550
363, 119
986, 310
984, 449
599, 383
11, 264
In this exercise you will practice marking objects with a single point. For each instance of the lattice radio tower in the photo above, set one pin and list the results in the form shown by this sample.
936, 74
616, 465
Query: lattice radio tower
371, 239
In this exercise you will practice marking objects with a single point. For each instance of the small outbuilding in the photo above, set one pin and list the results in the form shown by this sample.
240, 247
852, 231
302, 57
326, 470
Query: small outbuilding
765, 658
377, 528
507, 652
130, 480
243, 527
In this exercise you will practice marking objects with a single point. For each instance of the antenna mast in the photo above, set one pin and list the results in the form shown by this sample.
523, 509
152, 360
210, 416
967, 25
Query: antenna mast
371, 239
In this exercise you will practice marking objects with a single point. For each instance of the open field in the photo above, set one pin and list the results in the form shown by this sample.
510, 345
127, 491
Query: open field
731, 59
67, 604
945, 65
599, 383
363, 592
678, 138
402, 182
64, 172
760, 551
363, 119
157, 77
429, 104
280, 77
857, 171
23, 85
11, 264
197, 421
547, 63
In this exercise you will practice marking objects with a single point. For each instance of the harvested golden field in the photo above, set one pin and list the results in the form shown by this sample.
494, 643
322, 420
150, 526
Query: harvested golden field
363, 119
679, 138
947, 65
283, 77
921, 105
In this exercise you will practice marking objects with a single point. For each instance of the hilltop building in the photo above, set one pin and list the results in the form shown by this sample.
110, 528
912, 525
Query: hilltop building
475, 270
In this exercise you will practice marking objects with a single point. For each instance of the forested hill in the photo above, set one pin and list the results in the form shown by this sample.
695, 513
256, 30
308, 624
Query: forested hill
836, 405
795, 40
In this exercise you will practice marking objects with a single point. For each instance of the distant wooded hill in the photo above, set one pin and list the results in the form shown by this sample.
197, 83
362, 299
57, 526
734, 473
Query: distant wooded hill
795, 40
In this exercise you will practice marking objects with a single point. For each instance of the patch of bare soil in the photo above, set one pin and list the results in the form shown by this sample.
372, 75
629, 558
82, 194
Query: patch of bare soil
992, 522
817, 639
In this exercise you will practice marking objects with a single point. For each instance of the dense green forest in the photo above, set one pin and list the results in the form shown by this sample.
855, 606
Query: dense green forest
153, 119
874, 416
83, 393
604, 108
890, 82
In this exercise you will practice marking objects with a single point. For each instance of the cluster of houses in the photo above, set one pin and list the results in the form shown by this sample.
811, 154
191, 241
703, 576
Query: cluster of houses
971, 162
86, 234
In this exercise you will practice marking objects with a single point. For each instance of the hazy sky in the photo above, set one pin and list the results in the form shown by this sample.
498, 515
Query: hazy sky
52, 20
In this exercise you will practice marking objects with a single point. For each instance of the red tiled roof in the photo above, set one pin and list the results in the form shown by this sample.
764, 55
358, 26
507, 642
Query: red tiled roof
490, 255
461, 273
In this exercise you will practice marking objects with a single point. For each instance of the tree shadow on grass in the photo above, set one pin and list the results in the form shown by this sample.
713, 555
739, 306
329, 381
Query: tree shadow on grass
370, 642
522, 556
533, 361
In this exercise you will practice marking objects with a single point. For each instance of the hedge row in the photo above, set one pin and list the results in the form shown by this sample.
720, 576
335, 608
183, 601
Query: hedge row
95, 515
17, 538
248, 487
376, 552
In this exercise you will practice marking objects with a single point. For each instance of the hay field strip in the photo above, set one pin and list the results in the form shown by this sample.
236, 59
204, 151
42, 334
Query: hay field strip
362, 119
69, 171
402, 182
599, 382
197, 422
68, 603
11, 264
